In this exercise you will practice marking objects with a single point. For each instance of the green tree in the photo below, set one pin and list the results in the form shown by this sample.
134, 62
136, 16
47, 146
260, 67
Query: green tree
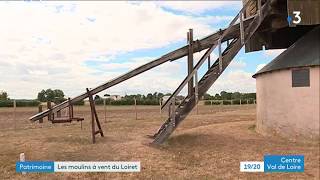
217, 97
42, 96
56, 95
149, 96
160, 95
236, 95
3, 95
206, 96
225, 95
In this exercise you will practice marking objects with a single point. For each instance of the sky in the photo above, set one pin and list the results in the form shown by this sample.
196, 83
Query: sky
74, 45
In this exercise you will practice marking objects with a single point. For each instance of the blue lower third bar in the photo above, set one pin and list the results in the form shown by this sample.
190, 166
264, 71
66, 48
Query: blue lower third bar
35, 166
283, 163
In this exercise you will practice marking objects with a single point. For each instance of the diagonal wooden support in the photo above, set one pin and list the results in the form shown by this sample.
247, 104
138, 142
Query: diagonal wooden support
212, 74
173, 112
220, 55
209, 62
94, 118
241, 28
196, 89
190, 61
202, 44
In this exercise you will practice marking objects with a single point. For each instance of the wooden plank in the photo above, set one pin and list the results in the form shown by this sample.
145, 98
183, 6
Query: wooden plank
199, 45
14, 113
185, 81
309, 11
93, 131
50, 112
135, 108
70, 109
173, 112
241, 28
221, 38
196, 89
228, 54
190, 61
220, 55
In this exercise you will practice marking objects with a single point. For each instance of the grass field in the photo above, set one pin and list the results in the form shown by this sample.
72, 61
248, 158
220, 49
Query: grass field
207, 145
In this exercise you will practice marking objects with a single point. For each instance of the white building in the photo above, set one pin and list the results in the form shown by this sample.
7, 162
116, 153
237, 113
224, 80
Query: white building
114, 97
288, 91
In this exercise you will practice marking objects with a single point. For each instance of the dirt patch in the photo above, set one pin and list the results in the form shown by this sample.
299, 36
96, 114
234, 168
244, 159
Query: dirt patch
216, 137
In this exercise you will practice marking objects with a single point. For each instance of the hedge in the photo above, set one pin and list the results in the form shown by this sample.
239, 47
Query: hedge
19, 103
79, 103
228, 102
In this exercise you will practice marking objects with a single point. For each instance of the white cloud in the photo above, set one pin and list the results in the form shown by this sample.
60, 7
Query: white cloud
273, 53
46, 44
232, 81
196, 7
237, 64
260, 66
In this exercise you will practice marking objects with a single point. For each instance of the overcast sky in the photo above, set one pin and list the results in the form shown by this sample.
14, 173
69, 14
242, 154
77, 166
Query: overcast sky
74, 45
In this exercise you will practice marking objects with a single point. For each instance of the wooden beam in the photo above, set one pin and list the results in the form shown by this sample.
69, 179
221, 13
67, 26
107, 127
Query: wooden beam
190, 61
94, 118
50, 112
199, 45
186, 79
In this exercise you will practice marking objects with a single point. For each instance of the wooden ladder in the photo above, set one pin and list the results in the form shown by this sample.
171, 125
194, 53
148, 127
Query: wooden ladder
212, 74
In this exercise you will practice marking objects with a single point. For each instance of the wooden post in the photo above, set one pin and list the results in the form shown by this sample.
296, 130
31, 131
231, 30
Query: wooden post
220, 55
173, 111
50, 112
40, 110
70, 109
14, 113
259, 10
135, 108
105, 109
241, 28
196, 90
209, 61
160, 104
169, 110
94, 118
190, 61
93, 127
22, 159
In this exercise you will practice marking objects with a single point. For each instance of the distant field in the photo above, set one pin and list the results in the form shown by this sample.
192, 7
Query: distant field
209, 145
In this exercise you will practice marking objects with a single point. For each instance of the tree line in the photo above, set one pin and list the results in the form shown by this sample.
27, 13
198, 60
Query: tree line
230, 96
57, 96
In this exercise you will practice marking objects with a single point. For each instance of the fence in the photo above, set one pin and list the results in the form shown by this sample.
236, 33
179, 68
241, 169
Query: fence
230, 102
